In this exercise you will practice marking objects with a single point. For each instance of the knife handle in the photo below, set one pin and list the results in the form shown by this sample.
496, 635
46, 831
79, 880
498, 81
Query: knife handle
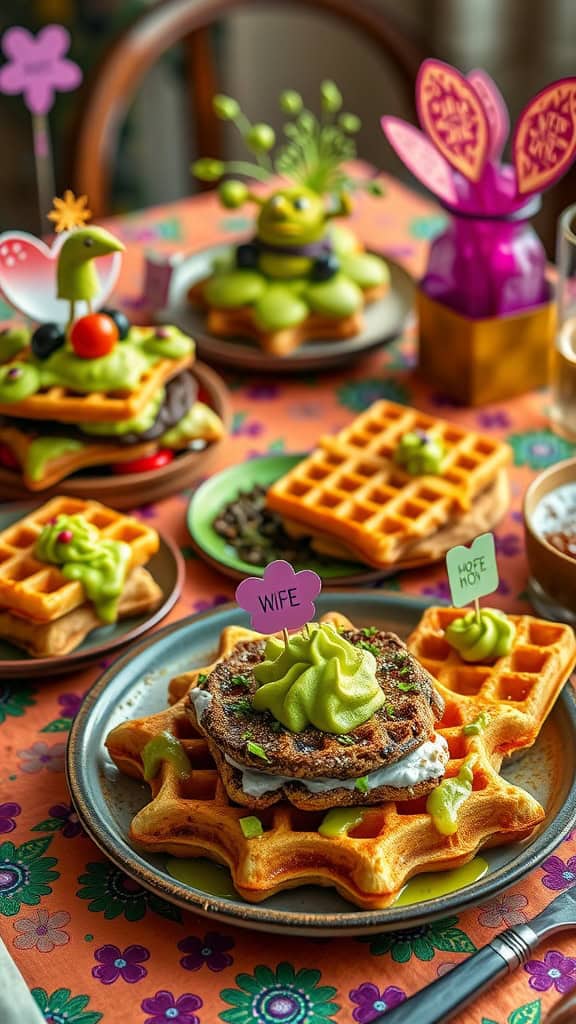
440, 1000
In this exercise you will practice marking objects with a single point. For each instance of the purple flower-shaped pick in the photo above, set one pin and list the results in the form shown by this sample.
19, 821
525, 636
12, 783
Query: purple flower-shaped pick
282, 599
37, 66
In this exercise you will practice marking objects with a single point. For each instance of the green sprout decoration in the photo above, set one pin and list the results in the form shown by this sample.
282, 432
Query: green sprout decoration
322, 267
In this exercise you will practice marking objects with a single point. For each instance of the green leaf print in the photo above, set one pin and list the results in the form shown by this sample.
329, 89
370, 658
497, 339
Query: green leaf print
530, 1013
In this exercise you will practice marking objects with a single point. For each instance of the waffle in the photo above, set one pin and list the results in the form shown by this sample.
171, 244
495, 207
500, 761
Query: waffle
242, 323
91, 453
193, 816
351, 489
38, 591
67, 406
140, 596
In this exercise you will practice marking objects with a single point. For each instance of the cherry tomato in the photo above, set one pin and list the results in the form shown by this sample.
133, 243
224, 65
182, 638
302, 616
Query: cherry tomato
155, 461
94, 335
7, 458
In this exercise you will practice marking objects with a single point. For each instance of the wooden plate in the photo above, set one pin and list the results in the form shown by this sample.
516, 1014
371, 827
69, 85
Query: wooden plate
132, 489
384, 321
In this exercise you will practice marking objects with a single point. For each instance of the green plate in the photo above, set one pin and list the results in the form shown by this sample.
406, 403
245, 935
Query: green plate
167, 568
222, 488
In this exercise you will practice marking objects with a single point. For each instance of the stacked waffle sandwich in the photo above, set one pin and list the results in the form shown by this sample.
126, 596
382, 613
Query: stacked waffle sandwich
415, 787
102, 393
395, 489
68, 568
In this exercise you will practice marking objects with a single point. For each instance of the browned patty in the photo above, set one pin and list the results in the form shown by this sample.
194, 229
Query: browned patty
404, 722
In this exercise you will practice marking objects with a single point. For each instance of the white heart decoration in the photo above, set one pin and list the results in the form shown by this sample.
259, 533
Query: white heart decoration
28, 276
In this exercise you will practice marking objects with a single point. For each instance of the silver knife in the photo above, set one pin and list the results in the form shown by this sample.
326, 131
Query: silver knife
439, 1001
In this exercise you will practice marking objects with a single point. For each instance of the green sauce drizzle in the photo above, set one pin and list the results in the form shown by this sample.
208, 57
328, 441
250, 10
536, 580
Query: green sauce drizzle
164, 747
484, 640
340, 821
445, 801
420, 453
320, 680
99, 565
478, 725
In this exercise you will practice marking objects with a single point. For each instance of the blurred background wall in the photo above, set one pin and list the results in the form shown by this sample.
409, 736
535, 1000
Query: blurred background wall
522, 43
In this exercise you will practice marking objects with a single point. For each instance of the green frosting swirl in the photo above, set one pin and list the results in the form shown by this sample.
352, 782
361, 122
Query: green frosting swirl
483, 640
100, 565
319, 679
18, 381
419, 453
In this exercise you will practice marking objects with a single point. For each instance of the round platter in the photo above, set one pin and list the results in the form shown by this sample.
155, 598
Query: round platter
136, 685
384, 320
129, 490
167, 568
222, 488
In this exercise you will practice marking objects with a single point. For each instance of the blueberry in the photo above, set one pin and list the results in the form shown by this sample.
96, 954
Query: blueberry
120, 319
325, 267
247, 256
46, 339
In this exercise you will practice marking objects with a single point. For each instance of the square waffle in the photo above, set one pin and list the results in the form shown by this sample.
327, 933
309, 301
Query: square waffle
38, 591
193, 816
66, 406
351, 489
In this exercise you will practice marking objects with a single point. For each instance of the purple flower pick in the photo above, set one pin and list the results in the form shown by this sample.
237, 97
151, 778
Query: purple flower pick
282, 599
37, 66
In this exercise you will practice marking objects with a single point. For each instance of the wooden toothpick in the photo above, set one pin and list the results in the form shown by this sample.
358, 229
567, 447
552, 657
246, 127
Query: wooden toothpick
477, 610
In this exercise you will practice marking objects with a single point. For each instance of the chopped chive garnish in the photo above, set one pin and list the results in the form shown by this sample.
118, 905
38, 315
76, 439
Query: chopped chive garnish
242, 706
276, 726
251, 827
345, 741
256, 750
369, 631
406, 687
240, 681
201, 680
405, 671
389, 709
362, 784
369, 647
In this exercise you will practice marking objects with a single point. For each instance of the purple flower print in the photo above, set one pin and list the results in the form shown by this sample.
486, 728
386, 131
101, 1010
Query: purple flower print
164, 1008
508, 545
494, 419
205, 606
371, 1001
114, 964
7, 814
67, 814
70, 704
440, 590
559, 875
37, 66
263, 391
554, 970
211, 950
40, 756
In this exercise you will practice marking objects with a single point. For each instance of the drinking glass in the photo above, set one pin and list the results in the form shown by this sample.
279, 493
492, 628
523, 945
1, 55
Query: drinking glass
563, 374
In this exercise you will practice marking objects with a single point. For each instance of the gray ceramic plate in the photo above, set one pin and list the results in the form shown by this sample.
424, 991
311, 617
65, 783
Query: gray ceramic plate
384, 321
167, 568
137, 685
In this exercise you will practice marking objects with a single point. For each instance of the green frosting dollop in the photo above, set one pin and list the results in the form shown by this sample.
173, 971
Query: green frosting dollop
481, 639
18, 381
120, 370
319, 679
12, 341
100, 565
420, 453
445, 801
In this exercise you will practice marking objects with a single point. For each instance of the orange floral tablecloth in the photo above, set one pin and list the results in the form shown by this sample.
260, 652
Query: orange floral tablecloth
90, 943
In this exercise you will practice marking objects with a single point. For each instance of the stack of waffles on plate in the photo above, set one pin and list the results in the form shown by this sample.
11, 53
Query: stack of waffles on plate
354, 499
476, 713
61, 413
49, 615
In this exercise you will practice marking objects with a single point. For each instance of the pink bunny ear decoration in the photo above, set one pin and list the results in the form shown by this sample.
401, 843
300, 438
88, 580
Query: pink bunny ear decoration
544, 143
452, 115
495, 109
421, 157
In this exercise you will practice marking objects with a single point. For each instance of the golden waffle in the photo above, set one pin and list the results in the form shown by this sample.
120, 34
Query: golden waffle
39, 591
141, 595
351, 489
67, 406
242, 323
66, 463
193, 816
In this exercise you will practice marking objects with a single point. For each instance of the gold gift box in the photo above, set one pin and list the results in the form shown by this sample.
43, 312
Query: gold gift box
488, 360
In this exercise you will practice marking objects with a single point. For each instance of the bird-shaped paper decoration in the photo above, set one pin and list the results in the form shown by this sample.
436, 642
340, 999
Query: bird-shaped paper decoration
77, 277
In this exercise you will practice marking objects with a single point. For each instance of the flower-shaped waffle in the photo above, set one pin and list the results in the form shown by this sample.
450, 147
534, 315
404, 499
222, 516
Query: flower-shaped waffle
352, 490
191, 815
